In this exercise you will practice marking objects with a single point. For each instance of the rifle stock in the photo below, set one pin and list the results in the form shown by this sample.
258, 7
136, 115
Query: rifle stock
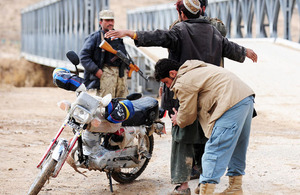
106, 46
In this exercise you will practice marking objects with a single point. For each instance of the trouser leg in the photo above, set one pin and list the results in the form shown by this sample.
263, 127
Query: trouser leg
181, 162
199, 150
109, 82
122, 87
237, 164
221, 145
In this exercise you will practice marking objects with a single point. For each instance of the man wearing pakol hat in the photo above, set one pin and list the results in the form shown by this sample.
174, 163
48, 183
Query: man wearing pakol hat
192, 38
102, 70
168, 103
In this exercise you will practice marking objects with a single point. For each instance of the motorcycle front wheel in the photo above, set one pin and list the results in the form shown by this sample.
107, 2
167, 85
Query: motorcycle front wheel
43, 176
127, 175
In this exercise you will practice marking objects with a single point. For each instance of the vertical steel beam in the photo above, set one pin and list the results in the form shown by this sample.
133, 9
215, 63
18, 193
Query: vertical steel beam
298, 5
247, 15
260, 15
52, 27
287, 9
272, 7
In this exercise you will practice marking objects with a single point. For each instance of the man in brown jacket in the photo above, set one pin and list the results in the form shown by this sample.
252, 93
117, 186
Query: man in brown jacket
223, 105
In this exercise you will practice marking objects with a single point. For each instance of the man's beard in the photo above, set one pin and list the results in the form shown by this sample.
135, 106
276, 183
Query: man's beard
108, 29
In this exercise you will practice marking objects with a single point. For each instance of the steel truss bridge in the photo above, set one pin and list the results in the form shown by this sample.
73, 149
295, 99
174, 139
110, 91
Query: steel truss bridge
53, 27
237, 15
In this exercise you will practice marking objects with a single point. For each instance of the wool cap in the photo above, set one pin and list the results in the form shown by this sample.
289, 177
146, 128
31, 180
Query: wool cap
192, 6
106, 14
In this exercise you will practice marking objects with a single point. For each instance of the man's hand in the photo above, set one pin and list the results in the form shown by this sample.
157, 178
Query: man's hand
160, 92
251, 55
174, 116
99, 73
113, 34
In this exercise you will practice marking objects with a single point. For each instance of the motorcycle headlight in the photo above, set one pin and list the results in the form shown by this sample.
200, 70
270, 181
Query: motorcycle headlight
81, 114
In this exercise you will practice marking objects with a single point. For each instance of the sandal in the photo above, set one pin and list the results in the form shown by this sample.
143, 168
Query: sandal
181, 192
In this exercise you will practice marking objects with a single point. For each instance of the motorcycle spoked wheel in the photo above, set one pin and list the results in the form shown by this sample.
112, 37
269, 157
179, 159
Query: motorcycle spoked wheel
127, 175
43, 176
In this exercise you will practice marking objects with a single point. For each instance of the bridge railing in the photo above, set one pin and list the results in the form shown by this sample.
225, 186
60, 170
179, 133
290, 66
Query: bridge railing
146, 65
237, 15
53, 27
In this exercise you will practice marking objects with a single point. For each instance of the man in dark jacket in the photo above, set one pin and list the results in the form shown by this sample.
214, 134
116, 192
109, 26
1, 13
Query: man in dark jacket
102, 71
168, 103
192, 38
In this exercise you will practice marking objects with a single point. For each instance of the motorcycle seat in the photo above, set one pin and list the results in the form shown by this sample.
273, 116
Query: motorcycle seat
145, 112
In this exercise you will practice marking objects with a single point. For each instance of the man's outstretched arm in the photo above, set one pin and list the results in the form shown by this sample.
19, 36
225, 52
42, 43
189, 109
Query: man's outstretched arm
113, 34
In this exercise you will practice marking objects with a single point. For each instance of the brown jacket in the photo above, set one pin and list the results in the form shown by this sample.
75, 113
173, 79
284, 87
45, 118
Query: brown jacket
206, 91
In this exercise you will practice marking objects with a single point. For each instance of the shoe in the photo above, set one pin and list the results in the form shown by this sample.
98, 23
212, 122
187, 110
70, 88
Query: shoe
205, 189
235, 186
195, 174
180, 192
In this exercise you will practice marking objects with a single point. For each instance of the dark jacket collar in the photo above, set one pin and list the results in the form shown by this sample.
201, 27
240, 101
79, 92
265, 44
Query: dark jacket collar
197, 20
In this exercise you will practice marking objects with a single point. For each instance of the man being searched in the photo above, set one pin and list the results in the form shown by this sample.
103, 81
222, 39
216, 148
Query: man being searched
223, 104
102, 70
168, 103
192, 38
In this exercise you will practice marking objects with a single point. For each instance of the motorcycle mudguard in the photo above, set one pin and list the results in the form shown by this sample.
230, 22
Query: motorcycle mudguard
60, 154
60, 149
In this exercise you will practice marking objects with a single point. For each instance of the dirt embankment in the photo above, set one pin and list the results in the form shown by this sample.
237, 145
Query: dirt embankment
13, 70
22, 73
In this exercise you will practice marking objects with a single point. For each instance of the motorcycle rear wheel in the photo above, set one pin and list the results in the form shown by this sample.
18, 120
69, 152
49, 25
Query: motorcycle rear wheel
43, 176
128, 175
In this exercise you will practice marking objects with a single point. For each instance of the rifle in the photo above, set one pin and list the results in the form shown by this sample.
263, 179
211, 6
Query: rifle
132, 67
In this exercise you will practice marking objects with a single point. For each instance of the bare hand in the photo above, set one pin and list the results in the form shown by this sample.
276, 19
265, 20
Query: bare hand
160, 92
113, 34
174, 116
99, 73
251, 55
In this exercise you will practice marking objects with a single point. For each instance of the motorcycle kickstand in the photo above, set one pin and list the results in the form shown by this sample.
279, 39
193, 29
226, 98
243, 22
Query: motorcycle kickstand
108, 174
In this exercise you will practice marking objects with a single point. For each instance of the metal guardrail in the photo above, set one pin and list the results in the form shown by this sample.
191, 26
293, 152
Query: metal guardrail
146, 65
152, 17
51, 28
237, 15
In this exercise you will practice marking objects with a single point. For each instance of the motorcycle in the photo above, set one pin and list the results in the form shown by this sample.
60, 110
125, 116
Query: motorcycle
121, 150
